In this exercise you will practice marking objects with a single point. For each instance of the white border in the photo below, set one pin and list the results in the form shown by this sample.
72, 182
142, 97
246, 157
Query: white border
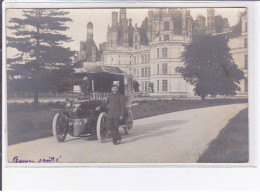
13, 173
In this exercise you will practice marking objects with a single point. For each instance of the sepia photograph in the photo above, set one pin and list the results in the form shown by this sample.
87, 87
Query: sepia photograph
127, 85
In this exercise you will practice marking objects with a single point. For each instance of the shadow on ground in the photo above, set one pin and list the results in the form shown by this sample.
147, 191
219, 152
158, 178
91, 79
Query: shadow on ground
149, 130
231, 145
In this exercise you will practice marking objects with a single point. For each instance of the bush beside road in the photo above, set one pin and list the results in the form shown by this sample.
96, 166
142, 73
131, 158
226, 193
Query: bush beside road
27, 122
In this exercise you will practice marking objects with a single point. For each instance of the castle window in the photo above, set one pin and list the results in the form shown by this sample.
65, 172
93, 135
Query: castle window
245, 43
166, 37
164, 85
246, 62
166, 26
137, 59
135, 47
145, 72
149, 57
137, 72
145, 58
158, 85
142, 72
164, 68
149, 71
135, 38
158, 53
142, 59
158, 69
246, 27
134, 59
164, 53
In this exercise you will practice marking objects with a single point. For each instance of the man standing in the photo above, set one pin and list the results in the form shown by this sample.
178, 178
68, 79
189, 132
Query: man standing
116, 110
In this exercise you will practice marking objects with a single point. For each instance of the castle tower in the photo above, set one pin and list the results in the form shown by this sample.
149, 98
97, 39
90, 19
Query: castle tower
114, 20
90, 30
184, 21
94, 54
130, 33
211, 21
244, 25
122, 14
125, 32
114, 29
150, 25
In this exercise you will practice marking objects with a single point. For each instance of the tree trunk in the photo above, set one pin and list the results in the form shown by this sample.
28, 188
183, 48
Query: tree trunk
37, 68
36, 98
203, 97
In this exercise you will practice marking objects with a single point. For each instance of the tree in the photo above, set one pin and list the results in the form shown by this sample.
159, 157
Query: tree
220, 23
42, 62
209, 67
136, 86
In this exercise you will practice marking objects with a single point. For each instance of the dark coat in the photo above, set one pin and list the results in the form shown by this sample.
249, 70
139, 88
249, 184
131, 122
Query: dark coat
116, 105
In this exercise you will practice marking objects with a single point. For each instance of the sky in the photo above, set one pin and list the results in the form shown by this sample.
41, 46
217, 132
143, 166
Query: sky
101, 18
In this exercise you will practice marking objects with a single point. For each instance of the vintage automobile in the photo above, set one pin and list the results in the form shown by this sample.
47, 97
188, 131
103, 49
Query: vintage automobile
79, 117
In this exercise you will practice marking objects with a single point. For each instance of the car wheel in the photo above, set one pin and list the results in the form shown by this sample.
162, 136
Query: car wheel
59, 127
129, 123
102, 131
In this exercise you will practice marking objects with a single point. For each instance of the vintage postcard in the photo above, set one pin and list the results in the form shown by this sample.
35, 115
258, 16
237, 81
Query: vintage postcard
127, 85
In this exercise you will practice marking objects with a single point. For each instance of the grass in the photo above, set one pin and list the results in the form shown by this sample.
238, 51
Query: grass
231, 145
27, 122
152, 108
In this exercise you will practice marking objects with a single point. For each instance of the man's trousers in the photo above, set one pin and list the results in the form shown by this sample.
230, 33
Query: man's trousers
113, 127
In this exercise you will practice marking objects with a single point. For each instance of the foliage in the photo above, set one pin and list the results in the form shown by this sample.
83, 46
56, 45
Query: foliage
220, 22
151, 87
237, 29
42, 63
136, 86
209, 67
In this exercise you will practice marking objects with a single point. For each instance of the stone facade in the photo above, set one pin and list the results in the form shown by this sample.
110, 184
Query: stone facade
238, 45
152, 51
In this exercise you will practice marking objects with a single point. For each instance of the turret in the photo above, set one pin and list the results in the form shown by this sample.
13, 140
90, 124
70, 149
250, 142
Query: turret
90, 30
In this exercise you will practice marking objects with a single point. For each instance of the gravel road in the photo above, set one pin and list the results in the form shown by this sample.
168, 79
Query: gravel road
178, 137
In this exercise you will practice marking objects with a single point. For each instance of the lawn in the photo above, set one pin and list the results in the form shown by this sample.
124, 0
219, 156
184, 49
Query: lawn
231, 145
26, 122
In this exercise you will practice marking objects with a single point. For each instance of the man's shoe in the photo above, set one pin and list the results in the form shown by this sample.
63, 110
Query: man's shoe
116, 141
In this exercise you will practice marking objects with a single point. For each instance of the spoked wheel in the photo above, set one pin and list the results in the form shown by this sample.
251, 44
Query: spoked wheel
129, 123
59, 127
102, 131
